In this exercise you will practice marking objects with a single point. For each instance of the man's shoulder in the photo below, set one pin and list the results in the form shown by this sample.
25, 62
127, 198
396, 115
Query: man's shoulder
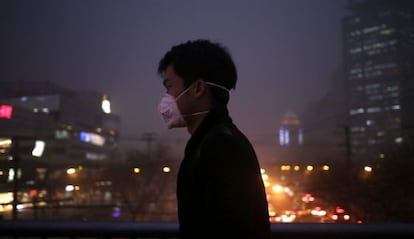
226, 130
222, 129
225, 133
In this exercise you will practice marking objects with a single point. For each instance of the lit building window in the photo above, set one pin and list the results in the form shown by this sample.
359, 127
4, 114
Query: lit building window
395, 107
106, 105
300, 136
373, 109
398, 140
286, 137
356, 111
357, 129
38, 148
283, 136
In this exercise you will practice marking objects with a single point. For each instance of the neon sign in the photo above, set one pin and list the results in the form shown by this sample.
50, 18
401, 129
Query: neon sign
6, 111
92, 138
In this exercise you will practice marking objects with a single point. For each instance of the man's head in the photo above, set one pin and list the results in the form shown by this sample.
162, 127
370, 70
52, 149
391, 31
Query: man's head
202, 60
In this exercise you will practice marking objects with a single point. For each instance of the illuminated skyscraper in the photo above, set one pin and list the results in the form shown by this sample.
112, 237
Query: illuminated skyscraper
290, 131
378, 44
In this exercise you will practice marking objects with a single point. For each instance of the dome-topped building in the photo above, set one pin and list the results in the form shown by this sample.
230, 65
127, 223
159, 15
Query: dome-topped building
290, 130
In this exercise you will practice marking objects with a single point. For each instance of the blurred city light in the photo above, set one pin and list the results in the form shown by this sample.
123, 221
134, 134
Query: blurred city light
309, 168
71, 171
39, 148
69, 188
368, 169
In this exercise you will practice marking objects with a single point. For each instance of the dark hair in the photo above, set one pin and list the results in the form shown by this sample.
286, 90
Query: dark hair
206, 60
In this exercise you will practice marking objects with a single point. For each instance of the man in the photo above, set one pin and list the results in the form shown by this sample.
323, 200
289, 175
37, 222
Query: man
220, 191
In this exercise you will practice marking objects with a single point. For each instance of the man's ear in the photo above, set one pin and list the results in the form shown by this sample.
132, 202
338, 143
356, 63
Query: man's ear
200, 88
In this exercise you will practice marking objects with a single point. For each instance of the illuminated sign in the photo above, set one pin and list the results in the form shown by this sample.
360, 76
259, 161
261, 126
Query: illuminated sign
92, 138
6, 111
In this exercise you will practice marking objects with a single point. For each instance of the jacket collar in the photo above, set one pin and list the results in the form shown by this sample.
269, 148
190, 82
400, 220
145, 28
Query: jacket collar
216, 116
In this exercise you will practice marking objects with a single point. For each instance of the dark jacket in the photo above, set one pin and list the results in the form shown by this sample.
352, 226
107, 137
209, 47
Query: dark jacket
220, 190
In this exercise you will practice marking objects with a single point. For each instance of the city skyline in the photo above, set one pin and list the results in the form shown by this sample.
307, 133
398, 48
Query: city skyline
325, 95
286, 53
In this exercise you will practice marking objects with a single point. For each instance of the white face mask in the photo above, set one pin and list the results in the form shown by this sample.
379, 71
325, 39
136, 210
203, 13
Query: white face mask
170, 113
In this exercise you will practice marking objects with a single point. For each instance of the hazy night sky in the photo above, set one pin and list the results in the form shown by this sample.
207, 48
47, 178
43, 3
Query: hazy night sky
285, 50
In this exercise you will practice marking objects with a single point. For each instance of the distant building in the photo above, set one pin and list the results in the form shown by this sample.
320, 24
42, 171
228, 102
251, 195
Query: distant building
289, 140
378, 45
72, 125
290, 131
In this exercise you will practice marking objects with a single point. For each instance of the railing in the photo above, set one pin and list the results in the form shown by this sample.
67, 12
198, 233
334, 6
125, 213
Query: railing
65, 229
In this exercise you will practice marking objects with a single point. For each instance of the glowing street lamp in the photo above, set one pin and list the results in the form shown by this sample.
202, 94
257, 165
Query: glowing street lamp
71, 171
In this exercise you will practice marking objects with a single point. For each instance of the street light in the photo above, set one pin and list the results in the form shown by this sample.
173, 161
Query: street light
71, 171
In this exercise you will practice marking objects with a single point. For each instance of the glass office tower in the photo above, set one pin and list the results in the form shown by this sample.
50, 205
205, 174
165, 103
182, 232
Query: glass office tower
378, 45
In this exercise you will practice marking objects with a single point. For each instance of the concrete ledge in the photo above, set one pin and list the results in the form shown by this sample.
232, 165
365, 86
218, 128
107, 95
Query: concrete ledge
112, 229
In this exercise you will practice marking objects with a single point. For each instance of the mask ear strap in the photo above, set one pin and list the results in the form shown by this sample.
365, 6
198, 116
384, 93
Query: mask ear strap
218, 86
182, 93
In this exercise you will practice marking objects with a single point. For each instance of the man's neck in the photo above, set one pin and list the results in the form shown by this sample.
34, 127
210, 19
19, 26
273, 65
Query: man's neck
194, 123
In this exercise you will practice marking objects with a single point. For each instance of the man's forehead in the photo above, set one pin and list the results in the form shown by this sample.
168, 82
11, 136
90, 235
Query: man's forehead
169, 76
163, 74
